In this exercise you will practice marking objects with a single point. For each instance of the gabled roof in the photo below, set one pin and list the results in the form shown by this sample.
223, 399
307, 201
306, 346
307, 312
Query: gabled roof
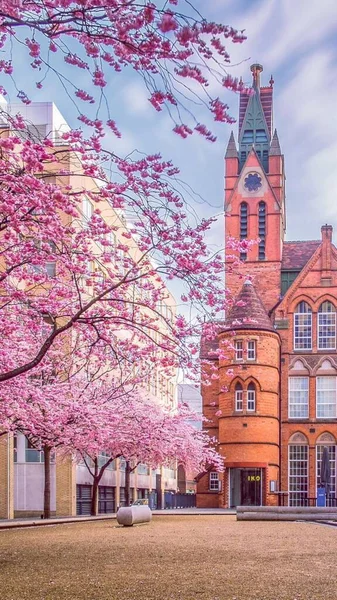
248, 311
296, 254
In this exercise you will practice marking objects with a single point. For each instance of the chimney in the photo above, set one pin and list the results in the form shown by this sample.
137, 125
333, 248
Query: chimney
326, 231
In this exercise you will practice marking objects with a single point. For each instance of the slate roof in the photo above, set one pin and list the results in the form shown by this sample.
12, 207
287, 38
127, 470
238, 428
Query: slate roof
275, 149
248, 311
231, 151
296, 254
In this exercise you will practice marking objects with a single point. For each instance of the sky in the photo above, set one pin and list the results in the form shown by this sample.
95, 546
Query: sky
296, 41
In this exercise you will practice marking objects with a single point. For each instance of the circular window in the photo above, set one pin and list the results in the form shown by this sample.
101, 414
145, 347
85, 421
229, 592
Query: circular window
253, 182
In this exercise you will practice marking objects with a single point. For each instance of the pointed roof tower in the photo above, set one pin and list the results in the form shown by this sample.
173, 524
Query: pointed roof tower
275, 148
255, 120
231, 151
248, 311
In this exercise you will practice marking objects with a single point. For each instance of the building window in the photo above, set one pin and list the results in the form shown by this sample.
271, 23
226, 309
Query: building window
298, 474
214, 481
238, 397
298, 397
328, 441
261, 136
243, 226
248, 137
302, 327
265, 160
251, 350
251, 396
326, 326
287, 278
238, 349
262, 230
87, 210
326, 397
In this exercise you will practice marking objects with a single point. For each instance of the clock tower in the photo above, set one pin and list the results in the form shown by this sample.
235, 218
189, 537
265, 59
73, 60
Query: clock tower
254, 192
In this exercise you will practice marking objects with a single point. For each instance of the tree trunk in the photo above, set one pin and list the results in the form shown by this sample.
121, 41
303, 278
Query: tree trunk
94, 497
46, 499
127, 483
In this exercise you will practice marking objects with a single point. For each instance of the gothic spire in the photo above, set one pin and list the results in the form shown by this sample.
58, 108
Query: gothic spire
275, 149
231, 151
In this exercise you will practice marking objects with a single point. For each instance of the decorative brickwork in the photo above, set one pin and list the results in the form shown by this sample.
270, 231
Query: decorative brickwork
275, 338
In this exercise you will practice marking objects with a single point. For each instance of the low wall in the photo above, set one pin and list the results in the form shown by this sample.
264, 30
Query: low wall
285, 513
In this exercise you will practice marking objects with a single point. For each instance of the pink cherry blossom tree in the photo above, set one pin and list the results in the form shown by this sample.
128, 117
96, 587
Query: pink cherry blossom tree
91, 420
170, 45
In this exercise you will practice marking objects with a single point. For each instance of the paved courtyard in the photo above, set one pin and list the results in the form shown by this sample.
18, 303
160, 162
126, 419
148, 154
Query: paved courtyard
173, 558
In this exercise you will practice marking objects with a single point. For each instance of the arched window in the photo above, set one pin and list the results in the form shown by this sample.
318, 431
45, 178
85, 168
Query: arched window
326, 326
251, 397
238, 397
302, 327
243, 226
298, 470
326, 440
262, 230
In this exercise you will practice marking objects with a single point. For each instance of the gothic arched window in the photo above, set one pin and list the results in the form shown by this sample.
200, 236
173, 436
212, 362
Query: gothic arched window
251, 397
243, 226
303, 326
238, 397
262, 230
326, 326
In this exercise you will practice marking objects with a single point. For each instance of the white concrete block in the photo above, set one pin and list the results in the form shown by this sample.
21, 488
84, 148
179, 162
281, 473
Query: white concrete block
131, 515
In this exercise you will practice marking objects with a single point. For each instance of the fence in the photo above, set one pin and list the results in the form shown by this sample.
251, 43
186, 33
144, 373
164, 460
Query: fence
172, 500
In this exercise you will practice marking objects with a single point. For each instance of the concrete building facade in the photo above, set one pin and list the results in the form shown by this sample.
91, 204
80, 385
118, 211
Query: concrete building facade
21, 464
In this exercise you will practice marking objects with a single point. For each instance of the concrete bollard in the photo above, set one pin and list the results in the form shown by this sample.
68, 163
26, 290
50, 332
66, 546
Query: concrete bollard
131, 515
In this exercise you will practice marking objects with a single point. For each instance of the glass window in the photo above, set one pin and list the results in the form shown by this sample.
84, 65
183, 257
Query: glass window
248, 137
298, 475
251, 395
298, 397
326, 325
243, 226
214, 481
262, 230
287, 278
251, 350
87, 209
238, 349
302, 327
326, 397
332, 460
261, 136
238, 397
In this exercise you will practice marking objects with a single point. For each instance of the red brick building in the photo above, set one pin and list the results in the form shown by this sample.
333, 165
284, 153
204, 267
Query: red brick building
277, 388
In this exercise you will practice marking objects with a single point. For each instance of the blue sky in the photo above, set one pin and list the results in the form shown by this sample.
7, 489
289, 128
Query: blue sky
296, 41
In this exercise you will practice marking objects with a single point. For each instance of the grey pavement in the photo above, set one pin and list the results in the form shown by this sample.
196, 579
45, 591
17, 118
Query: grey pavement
19, 523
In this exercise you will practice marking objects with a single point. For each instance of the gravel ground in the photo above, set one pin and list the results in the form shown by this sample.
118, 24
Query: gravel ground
173, 558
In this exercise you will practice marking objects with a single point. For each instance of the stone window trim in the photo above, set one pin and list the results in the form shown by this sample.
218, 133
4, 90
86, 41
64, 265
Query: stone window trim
245, 397
244, 341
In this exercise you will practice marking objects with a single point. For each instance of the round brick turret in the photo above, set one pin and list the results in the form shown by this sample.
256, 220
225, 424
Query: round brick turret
249, 397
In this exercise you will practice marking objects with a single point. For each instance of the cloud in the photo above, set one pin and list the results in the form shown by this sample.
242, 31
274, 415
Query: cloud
136, 98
